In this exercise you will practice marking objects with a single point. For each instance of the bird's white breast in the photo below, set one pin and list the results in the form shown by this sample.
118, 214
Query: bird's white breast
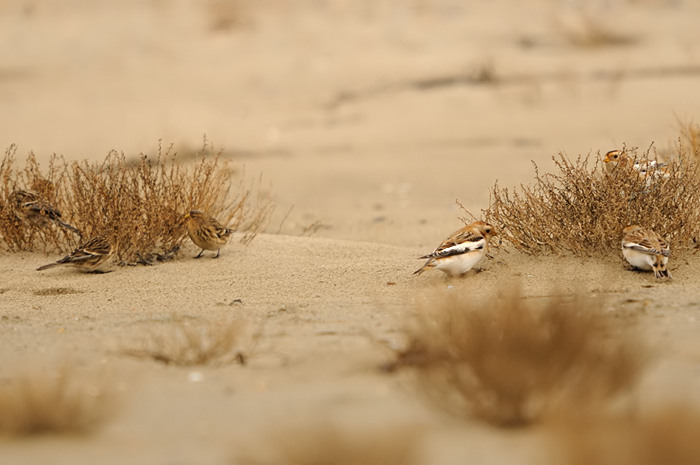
638, 259
459, 264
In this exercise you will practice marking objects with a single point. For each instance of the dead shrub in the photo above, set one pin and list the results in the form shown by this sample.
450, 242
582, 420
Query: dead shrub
57, 400
328, 444
582, 210
689, 139
14, 234
589, 30
139, 206
511, 363
226, 15
191, 343
665, 435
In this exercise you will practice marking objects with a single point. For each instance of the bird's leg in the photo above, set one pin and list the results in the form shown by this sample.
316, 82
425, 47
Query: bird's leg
200, 254
217, 253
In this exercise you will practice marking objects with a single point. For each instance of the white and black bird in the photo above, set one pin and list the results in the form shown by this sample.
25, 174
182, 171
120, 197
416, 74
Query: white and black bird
459, 253
646, 250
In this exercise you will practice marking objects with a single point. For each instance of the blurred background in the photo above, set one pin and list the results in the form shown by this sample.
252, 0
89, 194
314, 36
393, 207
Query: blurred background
367, 118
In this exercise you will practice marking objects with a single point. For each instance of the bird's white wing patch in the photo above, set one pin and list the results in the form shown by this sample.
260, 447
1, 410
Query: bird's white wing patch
460, 248
641, 248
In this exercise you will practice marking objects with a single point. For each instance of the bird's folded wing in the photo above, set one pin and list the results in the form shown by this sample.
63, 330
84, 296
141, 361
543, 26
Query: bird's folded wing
43, 208
449, 248
78, 257
642, 247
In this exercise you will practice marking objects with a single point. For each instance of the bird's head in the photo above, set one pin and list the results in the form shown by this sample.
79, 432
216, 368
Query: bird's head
486, 229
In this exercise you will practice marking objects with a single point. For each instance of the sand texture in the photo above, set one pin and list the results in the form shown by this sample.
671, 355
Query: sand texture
370, 118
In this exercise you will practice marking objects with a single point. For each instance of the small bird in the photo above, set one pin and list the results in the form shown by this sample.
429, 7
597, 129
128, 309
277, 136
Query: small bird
615, 159
461, 251
89, 257
31, 208
652, 169
646, 250
206, 232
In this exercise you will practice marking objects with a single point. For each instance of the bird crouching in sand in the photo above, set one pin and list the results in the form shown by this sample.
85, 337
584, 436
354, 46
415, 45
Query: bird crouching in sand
89, 257
206, 232
461, 251
30, 208
646, 250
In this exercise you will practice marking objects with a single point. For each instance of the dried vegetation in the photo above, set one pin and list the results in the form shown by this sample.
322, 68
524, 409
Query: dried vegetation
513, 362
226, 15
582, 207
58, 400
328, 444
590, 31
665, 435
191, 343
138, 204
689, 139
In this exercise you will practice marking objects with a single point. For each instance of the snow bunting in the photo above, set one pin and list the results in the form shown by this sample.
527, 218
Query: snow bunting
646, 250
461, 251
37, 212
206, 232
651, 169
89, 257
615, 159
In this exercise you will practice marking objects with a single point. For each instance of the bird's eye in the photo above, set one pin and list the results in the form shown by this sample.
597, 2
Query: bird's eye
615, 156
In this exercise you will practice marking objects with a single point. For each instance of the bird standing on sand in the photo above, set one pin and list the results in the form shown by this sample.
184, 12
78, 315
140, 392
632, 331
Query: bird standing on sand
646, 250
461, 251
32, 209
89, 257
206, 232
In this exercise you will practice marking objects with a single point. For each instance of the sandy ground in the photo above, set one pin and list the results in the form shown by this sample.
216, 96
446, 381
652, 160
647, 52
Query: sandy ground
329, 101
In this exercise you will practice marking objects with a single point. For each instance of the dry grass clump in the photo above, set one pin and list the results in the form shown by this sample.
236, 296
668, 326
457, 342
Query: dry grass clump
191, 343
14, 234
226, 15
139, 206
511, 363
689, 139
582, 210
586, 29
667, 435
53, 401
329, 445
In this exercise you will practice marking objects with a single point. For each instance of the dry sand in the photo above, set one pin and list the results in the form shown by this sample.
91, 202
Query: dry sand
380, 168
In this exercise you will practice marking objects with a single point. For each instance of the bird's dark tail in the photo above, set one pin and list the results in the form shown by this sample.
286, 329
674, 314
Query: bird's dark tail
50, 265
427, 266
69, 227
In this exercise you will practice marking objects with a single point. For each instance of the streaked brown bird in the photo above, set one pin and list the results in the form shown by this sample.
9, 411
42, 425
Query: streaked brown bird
30, 208
206, 232
89, 257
